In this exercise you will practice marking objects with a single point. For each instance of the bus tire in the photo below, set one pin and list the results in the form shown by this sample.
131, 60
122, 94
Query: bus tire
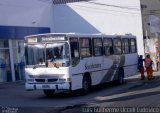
86, 84
49, 93
120, 77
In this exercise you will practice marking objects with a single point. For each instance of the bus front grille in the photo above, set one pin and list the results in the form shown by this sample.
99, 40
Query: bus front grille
46, 80
40, 80
52, 80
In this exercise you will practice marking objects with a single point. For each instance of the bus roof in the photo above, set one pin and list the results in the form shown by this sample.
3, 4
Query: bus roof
81, 35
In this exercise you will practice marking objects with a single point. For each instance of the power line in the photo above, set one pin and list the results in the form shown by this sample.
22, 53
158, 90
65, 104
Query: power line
106, 9
122, 7
66, 1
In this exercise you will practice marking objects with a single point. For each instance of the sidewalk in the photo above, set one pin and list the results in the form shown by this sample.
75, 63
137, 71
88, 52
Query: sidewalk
138, 76
135, 81
20, 82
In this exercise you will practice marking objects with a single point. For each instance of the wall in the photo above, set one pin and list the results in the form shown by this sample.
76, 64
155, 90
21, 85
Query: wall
95, 16
151, 31
101, 16
32, 13
19, 18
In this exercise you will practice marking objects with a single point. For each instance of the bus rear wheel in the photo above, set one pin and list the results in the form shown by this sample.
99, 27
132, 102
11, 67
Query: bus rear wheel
85, 85
120, 77
49, 93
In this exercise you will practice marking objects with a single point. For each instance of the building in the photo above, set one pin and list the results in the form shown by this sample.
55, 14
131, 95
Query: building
101, 16
26, 17
151, 28
18, 18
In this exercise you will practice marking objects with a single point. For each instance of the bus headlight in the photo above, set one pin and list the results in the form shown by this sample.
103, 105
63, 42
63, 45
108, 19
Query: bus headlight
30, 80
64, 79
68, 79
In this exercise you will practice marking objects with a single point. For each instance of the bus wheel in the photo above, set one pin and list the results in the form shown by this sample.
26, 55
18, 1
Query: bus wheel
85, 85
120, 77
49, 93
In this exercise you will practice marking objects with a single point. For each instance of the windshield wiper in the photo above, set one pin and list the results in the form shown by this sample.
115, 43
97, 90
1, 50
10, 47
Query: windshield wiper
35, 66
38, 65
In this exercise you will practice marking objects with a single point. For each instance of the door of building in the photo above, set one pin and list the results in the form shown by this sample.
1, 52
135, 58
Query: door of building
18, 58
5, 70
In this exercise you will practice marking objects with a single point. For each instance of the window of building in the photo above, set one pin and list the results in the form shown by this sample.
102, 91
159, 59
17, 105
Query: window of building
85, 47
125, 45
117, 46
18, 58
5, 71
74, 46
133, 48
98, 49
4, 44
108, 46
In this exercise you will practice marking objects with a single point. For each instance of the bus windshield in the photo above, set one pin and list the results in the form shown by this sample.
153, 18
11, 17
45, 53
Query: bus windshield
40, 55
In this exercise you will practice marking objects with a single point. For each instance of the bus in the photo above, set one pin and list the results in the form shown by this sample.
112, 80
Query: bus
71, 61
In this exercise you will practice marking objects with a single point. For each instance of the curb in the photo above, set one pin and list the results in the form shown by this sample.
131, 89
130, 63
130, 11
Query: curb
136, 78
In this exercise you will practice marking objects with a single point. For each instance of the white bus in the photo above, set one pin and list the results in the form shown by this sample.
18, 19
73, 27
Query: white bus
70, 61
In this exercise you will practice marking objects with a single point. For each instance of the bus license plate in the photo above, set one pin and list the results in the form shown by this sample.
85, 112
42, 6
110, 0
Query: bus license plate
45, 86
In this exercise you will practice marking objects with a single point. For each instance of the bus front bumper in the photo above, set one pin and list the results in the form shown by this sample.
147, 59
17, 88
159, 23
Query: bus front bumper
58, 86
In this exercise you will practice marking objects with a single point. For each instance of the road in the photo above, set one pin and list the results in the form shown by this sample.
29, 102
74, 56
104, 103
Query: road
134, 93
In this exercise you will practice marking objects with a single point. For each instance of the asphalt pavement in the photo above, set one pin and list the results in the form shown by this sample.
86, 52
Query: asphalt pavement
136, 93
142, 96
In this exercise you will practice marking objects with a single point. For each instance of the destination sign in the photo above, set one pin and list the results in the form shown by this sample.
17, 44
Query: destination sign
46, 38
32, 40
52, 38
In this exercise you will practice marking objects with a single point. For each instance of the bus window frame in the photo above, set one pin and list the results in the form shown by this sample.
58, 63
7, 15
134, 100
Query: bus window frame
119, 38
71, 51
89, 46
111, 47
134, 45
124, 46
101, 54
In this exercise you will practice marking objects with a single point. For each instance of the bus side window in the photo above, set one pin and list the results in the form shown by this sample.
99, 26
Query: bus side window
125, 45
117, 46
133, 48
97, 48
74, 46
85, 47
108, 46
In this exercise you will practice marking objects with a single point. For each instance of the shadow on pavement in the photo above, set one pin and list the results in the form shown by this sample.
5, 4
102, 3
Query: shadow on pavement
77, 94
